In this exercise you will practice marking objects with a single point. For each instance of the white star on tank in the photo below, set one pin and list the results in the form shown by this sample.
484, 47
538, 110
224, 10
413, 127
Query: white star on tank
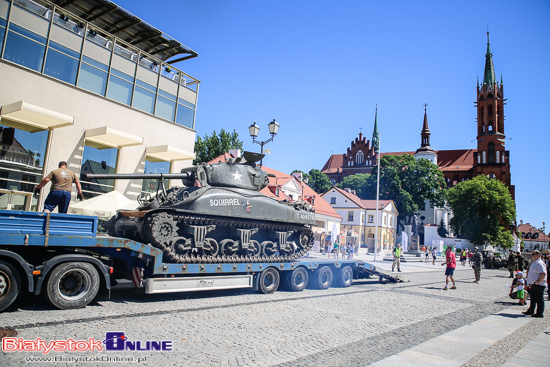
236, 176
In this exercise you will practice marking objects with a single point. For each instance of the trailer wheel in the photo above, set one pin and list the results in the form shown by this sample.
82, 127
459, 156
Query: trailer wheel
72, 285
296, 280
269, 281
322, 278
346, 277
10, 285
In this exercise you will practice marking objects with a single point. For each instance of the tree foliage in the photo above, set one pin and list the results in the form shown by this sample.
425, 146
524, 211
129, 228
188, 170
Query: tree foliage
357, 182
483, 209
215, 145
441, 230
318, 181
403, 179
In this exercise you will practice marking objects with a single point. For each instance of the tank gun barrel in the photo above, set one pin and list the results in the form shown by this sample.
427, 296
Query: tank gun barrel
137, 176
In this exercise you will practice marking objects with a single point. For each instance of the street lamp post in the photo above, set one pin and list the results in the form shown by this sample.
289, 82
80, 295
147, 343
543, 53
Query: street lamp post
254, 129
376, 239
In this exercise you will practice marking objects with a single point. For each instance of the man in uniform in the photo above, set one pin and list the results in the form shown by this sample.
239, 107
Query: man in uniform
520, 261
60, 192
477, 259
396, 258
511, 264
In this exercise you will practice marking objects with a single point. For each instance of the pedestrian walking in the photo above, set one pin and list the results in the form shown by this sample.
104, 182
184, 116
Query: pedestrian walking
477, 259
463, 257
351, 251
396, 258
427, 256
434, 255
537, 277
60, 191
450, 261
511, 263
470, 255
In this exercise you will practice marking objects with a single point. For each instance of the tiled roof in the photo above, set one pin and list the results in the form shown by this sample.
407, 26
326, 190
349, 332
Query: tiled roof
456, 160
447, 160
528, 228
371, 204
364, 204
335, 162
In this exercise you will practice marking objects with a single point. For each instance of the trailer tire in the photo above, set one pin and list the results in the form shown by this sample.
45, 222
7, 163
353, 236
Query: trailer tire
346, 277
10, 285
322, 278
72, 285
268, 281
296, 280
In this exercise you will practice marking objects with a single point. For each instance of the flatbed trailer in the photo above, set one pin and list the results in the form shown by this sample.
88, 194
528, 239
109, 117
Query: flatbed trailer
63, 258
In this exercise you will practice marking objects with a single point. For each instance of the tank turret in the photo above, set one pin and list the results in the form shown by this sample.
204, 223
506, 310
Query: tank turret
219, 215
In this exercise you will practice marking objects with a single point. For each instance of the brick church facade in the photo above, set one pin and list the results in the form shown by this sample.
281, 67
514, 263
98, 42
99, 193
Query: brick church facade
490, 158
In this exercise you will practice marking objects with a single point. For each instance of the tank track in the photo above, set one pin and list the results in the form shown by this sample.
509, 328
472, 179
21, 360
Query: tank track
163, 230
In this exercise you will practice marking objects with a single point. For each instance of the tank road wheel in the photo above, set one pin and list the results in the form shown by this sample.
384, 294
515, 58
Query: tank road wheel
304, 238
269, 248
182, 246
288, 250
346, 277
256, 250
210, 247
269, 281
72, 285
296, 280
228, 247
10, 285
322, 278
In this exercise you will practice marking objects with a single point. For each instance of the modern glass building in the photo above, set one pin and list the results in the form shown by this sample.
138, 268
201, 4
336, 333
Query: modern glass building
85, 81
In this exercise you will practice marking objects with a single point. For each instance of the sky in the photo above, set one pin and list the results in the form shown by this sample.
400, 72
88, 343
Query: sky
320, 68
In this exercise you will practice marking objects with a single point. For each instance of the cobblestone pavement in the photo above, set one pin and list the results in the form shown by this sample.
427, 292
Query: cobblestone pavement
354, 326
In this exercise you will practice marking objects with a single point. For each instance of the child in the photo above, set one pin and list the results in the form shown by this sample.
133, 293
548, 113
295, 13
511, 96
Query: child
519, 282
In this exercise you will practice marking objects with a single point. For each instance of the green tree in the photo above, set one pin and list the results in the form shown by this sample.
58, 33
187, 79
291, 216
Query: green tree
215, 145
318, 181
405, 180
441, 230
482, 209
357, 182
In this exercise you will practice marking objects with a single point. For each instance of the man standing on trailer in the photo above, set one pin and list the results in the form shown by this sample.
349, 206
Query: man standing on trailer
60, 192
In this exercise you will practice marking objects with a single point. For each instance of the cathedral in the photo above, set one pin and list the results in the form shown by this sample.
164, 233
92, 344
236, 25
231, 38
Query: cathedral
490, 158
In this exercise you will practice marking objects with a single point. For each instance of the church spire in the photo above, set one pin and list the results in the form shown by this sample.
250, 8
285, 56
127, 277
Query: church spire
425, 151
375, 141
425, 134
489, 74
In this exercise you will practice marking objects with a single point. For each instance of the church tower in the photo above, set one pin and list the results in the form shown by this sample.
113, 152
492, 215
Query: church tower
425, 151
491, 159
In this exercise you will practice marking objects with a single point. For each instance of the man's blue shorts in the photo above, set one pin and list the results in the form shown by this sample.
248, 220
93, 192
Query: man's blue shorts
58, 198
449, 271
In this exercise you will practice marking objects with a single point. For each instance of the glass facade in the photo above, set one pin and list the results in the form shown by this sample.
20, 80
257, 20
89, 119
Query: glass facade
151, 185
21, 167
57, 54
98, 161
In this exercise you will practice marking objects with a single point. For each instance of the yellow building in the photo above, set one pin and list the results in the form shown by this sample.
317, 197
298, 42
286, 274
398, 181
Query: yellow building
360, 216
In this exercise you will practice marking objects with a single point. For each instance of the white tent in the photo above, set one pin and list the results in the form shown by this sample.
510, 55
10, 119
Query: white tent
103, 206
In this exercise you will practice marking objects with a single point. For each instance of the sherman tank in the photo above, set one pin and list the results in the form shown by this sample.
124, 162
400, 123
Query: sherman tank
218, 215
